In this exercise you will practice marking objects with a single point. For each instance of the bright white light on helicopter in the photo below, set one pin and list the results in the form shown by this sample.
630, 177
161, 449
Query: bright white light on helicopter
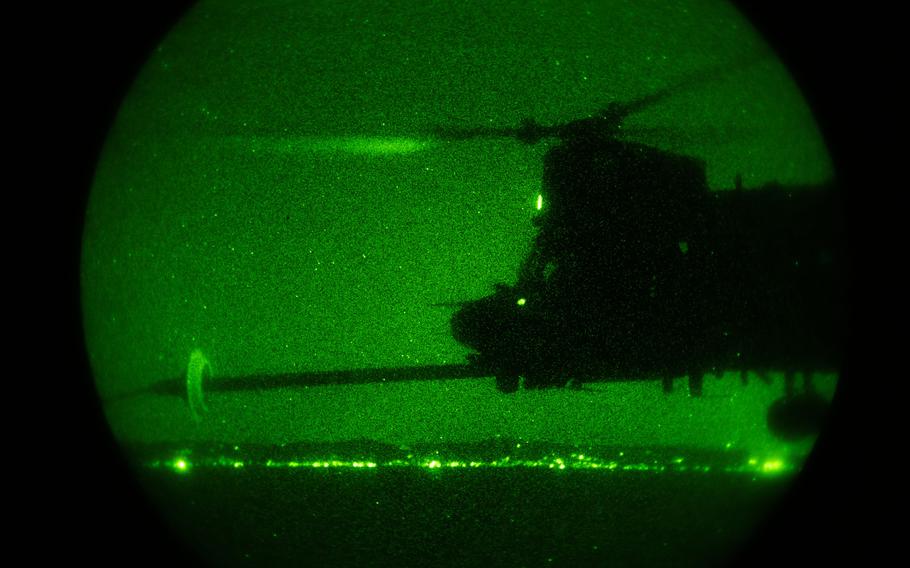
539, 201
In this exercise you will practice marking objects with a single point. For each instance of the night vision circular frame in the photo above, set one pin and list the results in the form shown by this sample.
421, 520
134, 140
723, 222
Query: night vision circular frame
533, 282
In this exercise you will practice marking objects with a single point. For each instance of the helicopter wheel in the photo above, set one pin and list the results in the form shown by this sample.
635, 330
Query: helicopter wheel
798, 416
507, 383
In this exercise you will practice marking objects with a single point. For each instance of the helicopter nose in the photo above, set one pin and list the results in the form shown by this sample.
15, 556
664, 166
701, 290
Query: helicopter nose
483, 323
489, 324
465, 326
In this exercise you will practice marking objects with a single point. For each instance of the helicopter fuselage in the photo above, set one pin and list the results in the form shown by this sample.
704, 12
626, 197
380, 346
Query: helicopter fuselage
638, 268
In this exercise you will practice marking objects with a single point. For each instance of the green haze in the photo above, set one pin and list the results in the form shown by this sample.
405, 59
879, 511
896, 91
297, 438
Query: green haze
269, 199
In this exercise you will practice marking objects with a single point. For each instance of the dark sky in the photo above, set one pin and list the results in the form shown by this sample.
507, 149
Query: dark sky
268, 196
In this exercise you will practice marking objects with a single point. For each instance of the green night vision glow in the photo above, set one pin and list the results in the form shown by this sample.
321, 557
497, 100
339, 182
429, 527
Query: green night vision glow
355, 145
353, 194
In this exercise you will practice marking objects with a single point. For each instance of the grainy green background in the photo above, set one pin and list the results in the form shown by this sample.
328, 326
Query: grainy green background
240, 208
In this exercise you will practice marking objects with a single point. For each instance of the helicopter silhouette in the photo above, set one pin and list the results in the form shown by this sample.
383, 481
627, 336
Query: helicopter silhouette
639, 272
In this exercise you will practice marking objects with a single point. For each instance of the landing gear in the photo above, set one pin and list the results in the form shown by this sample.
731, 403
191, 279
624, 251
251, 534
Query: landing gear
507, 383
696, 381
510, 382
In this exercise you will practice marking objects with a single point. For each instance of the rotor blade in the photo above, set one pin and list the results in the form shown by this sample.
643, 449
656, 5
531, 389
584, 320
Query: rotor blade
690, 81
177, 386
679, 136
454, 134
530, 131
347, 377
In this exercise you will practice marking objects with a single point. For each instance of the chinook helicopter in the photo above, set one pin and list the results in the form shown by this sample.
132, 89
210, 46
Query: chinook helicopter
638, 272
